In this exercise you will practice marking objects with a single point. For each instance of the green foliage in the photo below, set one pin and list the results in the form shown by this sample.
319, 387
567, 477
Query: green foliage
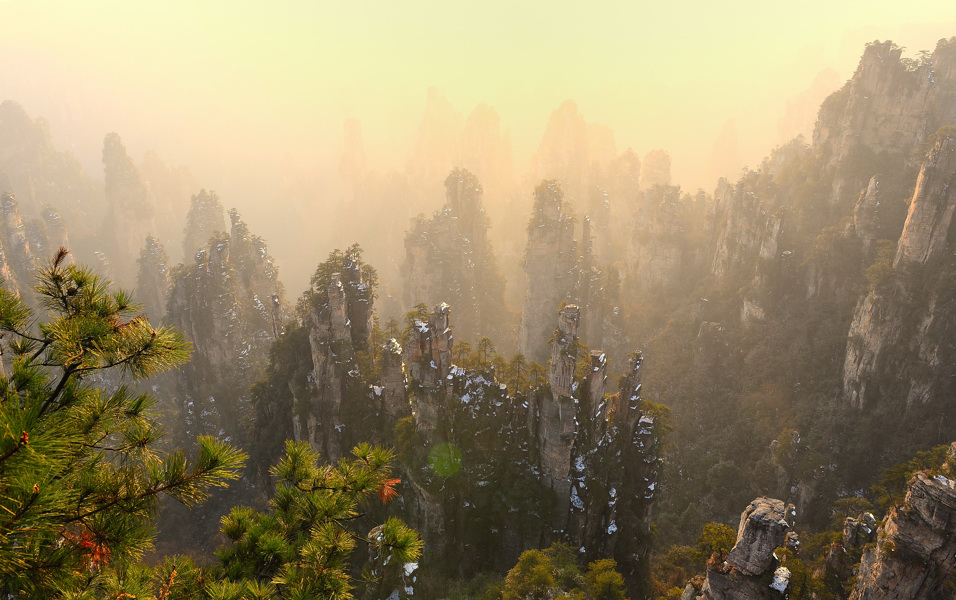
674, 568
603, 582
419, 313
358, 279
715, 539
880, 272
848, 507
303, 544
78, 466
554, 573
942, 133
891, 488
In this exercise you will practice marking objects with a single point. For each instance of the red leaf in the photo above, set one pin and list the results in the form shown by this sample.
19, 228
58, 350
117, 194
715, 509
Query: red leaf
387, 491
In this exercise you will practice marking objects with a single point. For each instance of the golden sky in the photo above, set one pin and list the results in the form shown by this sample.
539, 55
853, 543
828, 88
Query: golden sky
266, 85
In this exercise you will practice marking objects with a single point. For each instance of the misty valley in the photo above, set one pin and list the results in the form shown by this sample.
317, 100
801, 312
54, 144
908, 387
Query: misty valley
579, 381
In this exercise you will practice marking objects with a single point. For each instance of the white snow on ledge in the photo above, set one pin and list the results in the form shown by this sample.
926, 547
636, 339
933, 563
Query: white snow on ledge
781, 579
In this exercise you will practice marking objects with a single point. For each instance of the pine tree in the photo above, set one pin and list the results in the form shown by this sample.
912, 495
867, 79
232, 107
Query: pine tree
80, 476
303, 545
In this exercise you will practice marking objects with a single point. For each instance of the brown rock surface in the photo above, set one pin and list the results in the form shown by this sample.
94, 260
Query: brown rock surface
394, 380
916, 550
879, 322
744, 576
931, 208
865, 213
557, 425
763, 528
428, 355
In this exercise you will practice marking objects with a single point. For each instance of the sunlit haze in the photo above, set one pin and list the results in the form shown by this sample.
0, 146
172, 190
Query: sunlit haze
252, 97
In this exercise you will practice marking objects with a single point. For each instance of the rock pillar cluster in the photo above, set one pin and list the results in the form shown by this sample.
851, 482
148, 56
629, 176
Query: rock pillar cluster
429, 361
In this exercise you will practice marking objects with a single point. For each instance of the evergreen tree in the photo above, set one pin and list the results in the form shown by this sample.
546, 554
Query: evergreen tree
302, 546
79, 472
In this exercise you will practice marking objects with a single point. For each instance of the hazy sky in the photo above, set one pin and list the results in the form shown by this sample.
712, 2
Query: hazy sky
262, 88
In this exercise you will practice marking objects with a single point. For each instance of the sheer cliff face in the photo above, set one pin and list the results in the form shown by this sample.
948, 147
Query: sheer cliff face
745, 227
18, 257
926, 231
889, 105
557, 413
107, 223
25, 242
549, 262
873, 127
449, 259
429, 362
901, 324
655, 256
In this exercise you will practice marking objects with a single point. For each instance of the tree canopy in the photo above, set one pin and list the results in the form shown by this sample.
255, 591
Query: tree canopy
80, 475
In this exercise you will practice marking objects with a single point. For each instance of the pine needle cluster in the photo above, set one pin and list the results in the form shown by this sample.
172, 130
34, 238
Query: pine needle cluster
303, 544
80, 475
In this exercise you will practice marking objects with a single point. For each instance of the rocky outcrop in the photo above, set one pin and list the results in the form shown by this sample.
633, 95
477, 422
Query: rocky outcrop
449, 259
587, 461
429, 363
557, 412
745, 574
746, 226
394, 381
339, 325
763, 528
916, 549
204, 304
40, 176
549, 263
616, 470
264, 295
859, 531
18, 256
